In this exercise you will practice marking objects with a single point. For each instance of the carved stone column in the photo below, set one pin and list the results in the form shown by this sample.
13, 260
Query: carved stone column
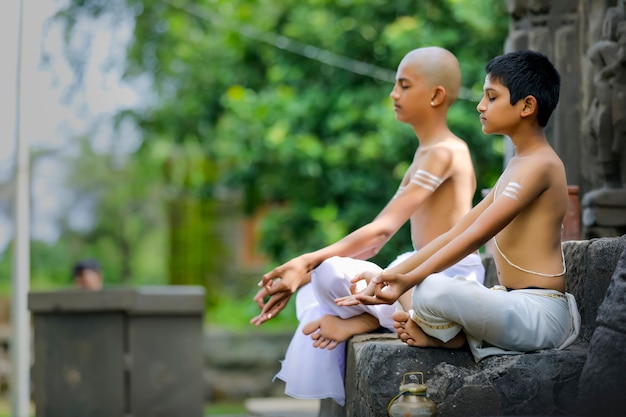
604, 207
551, 27
589, 144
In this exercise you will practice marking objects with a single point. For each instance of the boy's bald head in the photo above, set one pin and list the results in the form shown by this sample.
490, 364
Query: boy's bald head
437, 66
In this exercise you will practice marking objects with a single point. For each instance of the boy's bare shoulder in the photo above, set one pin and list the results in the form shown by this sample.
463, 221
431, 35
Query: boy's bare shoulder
437, 155
543, 169
544, 160
446, 147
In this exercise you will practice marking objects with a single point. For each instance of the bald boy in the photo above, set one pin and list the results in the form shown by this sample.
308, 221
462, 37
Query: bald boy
434, 194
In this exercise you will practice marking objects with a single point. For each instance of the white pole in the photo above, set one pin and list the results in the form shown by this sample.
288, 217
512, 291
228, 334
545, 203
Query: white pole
20, 323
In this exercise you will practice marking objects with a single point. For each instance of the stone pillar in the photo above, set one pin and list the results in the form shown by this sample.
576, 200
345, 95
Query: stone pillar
604, 213
590, 139
604, 206
551, 27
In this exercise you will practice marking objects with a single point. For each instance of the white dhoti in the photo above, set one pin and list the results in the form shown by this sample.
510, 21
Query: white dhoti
495, 321
310, 372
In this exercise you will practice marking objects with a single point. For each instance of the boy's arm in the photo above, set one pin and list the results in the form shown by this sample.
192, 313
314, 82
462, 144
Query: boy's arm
280, 283
391, 277
283, 281
440, 242
367, 241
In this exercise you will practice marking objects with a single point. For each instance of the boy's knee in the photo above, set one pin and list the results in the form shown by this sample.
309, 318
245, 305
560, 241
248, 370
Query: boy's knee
328, 267
329, 279
431, 291
326, 272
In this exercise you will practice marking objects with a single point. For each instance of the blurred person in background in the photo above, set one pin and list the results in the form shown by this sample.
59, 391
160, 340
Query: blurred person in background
87, 275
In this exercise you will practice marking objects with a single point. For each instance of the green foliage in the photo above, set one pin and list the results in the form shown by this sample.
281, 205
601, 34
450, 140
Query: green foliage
224, 409
235, 314
264, 97
119, 204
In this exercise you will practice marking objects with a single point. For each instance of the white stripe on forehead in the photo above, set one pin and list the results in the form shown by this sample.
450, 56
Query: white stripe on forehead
512, 190
426, 180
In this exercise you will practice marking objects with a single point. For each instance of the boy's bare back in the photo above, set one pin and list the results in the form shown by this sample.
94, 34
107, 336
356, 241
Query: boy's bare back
528, 251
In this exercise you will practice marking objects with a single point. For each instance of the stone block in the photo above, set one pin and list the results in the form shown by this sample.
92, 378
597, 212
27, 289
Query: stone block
604, 207
376, 363
602, 383
590, 265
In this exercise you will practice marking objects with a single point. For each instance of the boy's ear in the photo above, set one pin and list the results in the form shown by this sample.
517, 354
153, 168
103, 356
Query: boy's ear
529, 106
438, 96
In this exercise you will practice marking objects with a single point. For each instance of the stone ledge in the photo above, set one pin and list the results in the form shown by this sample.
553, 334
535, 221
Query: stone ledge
542, 383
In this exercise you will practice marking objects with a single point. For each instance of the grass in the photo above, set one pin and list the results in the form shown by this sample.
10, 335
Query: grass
213, 409
224, 409
5, 407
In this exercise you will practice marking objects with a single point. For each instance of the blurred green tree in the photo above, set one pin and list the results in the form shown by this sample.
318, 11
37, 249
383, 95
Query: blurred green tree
287, 103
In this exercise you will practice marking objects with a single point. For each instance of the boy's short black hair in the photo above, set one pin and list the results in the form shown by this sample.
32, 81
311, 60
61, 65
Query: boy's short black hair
528, 73
87, 264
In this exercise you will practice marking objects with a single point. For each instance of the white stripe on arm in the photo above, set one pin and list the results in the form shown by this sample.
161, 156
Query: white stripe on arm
426, 180
512, 190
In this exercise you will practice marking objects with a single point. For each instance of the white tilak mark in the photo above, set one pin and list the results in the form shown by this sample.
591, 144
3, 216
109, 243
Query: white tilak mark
512, 190
426, 180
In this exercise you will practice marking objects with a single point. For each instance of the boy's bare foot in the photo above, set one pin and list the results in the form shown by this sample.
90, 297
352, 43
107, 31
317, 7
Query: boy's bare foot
411, 334
408, 331
329, 331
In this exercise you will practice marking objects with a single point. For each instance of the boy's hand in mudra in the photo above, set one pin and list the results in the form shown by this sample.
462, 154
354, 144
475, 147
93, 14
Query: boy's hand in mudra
382, 288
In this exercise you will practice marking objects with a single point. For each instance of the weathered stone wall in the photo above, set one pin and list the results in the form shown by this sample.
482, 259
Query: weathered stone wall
603, 382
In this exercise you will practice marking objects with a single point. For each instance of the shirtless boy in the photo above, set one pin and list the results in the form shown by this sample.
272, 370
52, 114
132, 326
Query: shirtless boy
523, 214
435, 193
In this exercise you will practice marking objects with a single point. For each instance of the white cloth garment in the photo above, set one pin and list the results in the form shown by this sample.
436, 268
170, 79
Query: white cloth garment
495, 321
310, 372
